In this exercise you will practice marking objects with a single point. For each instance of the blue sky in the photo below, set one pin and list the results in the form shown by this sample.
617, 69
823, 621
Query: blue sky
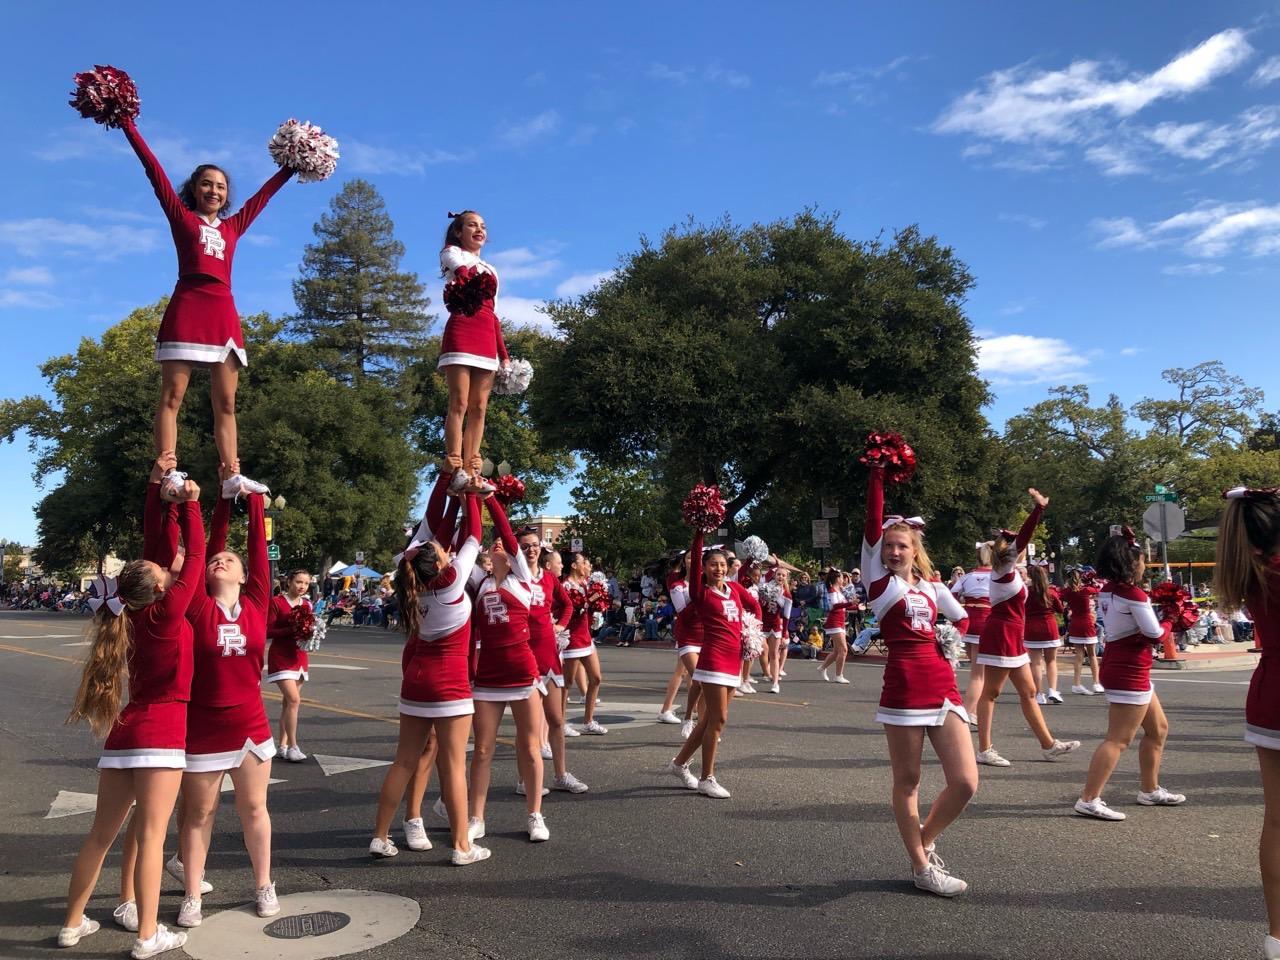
1108, 171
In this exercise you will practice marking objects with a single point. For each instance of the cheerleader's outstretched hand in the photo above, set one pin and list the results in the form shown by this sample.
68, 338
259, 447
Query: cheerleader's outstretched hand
1038, 498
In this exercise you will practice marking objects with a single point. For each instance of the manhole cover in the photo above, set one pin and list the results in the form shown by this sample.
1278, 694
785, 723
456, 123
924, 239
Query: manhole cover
306, 925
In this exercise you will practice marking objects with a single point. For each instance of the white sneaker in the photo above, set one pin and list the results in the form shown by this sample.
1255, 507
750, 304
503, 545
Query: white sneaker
840, 678
460, 479
1160, 797
294, 754
1097, 809
281, 751
782, 673
415, 834
569, 783
546, 752
595, 727
571, 731
268, 903
189, 914
737, 692
126, 916
1271, 948
474, 855
823, 670
776, 688
681, 772
666, 716
382, 848
991, 758
710, 787
1081, 689
173, 483
1061, 748
538, 828
237, 486
440, 810
70, 936
1041, 699
162, 941
751, 687
935, 879
475, 829
1055, 696
686, 729
520, 791
174, 868
1099, 688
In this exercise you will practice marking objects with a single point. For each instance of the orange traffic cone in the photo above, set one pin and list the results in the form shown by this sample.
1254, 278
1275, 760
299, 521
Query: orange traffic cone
1168, 649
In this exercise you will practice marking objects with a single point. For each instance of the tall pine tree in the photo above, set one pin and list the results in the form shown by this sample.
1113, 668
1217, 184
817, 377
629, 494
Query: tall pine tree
362, 314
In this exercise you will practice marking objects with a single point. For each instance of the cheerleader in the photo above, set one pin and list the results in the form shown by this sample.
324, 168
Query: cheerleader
200, 326
287, 664
435, 692
777, 613
1001, 650
749, 579
140, 628
919, 693
834, 626
1082, 631
1132, 627
1040, 632
688, 635
580, 657
549, 612
227, 726
720, 603
506, 673
973, 590
1248, 576
472, 348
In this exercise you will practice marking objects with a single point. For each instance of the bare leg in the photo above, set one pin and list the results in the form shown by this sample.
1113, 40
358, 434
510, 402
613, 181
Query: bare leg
1155, 731
115, 797
906, 744
1123, 722
1269, 842
250, 779
1026, 687
414, 732
129, 863
458, 379
1051, 668
992, 681
201, 793
477, 404
553, 714
715, 712
591, 664
420, 780
156, 790
175, 375
977, 679
1077, 667
954, 747
223, 380
484, 735
690, 662
841, 651
1037, 668
290, 698
528, 757
673, 687
451, 735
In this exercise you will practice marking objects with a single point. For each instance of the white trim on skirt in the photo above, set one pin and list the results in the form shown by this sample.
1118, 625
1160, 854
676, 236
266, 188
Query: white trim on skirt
507, 694
230, 759
916, 717
1082, 641
439, 708
972, 638
995, 660
200, 352
569, 653
550, 678
288, 675
718, 679
1042, 644
688, 649
1262, 737
1131, 697
459, 359
143, 757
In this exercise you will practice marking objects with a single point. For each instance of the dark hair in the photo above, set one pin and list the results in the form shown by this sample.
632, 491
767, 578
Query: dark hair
412, 577
187, 192
678, 566
295, 573
1118, 561
453, 235
1248, 534
1074, 580
526, 531
830, 577
568, 558
1038, 583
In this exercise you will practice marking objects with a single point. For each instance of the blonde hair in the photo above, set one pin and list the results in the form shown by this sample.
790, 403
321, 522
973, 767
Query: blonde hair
1248, 533
1002, 551
984, 554
101, 689
923, 565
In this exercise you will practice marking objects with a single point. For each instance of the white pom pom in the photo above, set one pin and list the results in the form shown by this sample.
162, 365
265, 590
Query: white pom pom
514, 378
305, 148
752, 636
755, 549
770, 592
318, 630
849, 593
598, 576
950, 641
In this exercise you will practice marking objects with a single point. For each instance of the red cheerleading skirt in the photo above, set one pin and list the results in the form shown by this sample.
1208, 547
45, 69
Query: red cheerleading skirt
470, 341
1262, 706
437, 685
508, 672
1125, 671
542, 641
221, 738
1083, 630
201, 324
919, 686
1041, 632
978, 615
719, 662
286, 662
1001, 645
147, 735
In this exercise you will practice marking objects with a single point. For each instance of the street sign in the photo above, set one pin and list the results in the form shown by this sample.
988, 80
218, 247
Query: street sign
575, 545
830, 509
1164, 522
1160, 498
273, 552
359, 556
268, 524
1031, 549
1161, 488
821, 534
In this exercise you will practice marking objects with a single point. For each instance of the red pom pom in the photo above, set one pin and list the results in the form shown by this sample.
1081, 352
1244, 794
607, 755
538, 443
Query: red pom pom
509, 488
302, 621
105, 95
1175, 605
597, 597
890, 451
702, 508
469, 290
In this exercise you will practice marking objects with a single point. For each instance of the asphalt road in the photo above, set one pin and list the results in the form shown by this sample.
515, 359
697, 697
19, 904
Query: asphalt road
802, 862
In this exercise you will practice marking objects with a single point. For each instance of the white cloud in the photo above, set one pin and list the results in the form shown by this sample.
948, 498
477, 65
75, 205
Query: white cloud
714, 73
1025, 219
1269, 72
28, 299
525, 312
81, 140
525, 132
31, 237
1130, 351
1119, 232
134, 216
580, 283
860, 82
661, 71
1017, 358
729, 78
1016, 307
1255, 130
259, 240
521, 263
359, 157
29, 276
1209, 230
1193, 269
1114, 160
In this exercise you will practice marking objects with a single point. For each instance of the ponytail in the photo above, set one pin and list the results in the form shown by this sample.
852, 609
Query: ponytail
1038, 583
1248, 535
407, 590
1074, 580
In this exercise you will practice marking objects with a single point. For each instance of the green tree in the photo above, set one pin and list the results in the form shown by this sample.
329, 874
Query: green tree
359, 311
621, 514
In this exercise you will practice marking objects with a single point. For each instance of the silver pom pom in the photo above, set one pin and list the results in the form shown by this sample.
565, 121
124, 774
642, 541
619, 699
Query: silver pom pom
752, 636
305, 148
755, 549
770, 592
514, 378
318, 630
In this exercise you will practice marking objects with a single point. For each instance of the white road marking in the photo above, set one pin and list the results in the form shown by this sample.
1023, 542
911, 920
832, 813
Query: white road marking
334, 666
335, 765
1230, 683
37, 636
68, 803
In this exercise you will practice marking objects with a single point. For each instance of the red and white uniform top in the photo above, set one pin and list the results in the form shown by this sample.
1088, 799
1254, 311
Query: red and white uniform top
230, 645
837, 616
973, 590
720, 613
919, 684
1132, 627
476, 340
1001, 641
688, 631
1082, 623
285, 660
776, 614
502, 618
444, 609
1041, 626
580, 641
1262, 706
549, 612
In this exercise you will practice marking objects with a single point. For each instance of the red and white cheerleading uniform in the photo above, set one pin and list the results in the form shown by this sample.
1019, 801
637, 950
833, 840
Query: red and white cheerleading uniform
474, 341
227, 720
549, 612
973, 590
776, 614
285, 660
919, 682
506, 669
720, 613
836, 615
687, 629
201, 324
1132, 627
436, 679
1082, 623
1262, 706
151, 730
1001, 643
581, 643
1040, 631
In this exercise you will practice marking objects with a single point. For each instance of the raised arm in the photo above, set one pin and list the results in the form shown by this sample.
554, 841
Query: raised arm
254, 205
451, 258
436, 502
258, 587
1029, 525
695, 567
159, 528
218, 526
509, 543
190, 579
872, 529
169, 200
